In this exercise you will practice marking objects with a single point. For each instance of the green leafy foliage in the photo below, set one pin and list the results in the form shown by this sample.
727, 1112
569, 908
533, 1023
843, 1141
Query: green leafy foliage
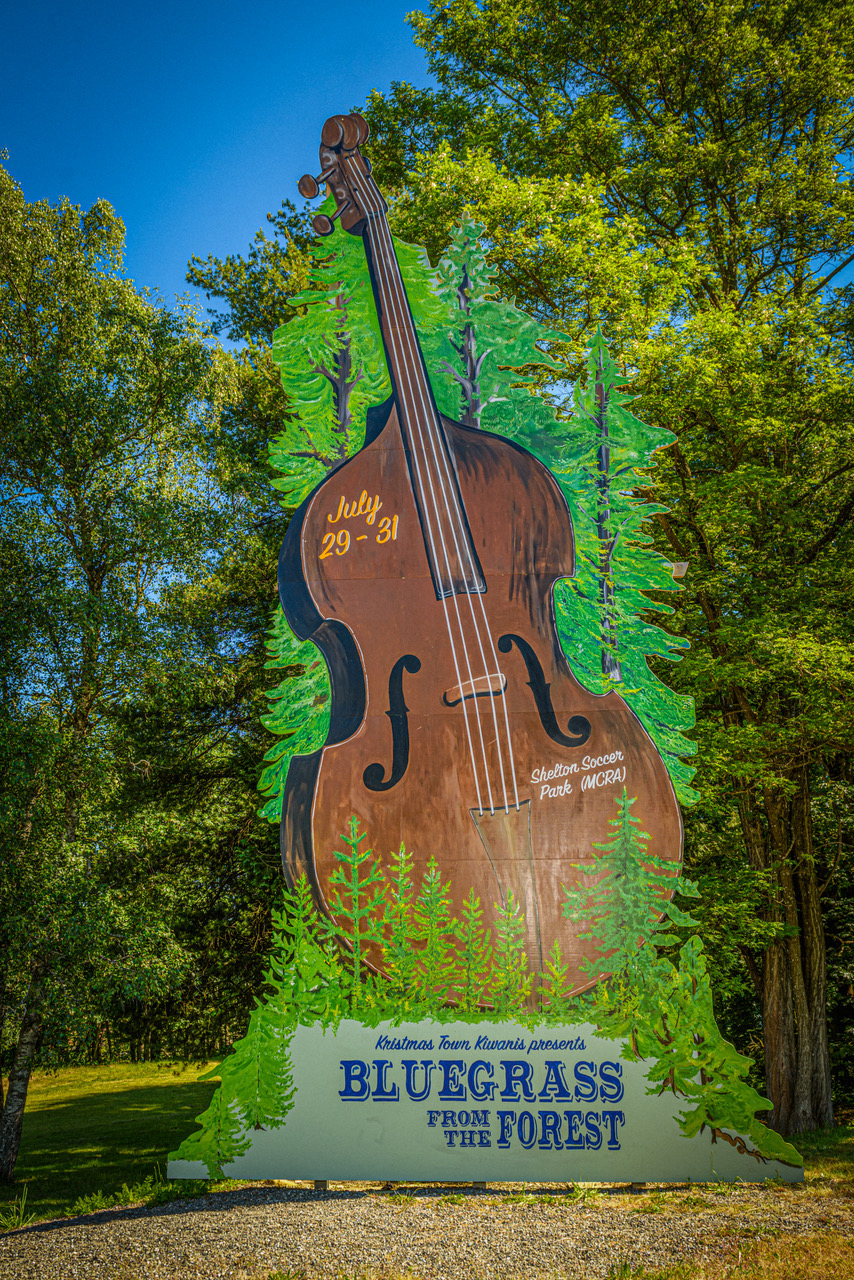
495, 354
110, 515
222, 1137
668, 1020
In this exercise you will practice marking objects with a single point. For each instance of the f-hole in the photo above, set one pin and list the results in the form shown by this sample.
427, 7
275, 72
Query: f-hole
579, 726
374, 776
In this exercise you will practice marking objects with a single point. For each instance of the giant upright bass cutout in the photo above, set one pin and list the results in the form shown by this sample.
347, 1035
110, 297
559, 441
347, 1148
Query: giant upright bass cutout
423, 568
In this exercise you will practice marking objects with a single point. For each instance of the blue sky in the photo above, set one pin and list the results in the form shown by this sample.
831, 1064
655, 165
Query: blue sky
193, 120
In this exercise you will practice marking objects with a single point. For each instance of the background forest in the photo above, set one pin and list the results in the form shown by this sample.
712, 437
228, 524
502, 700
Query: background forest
676, 176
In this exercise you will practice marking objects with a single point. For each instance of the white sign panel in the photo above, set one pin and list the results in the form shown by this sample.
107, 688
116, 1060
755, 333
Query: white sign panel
486, 1102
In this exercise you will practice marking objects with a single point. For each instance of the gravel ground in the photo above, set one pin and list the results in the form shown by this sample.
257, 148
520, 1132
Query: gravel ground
355, 1230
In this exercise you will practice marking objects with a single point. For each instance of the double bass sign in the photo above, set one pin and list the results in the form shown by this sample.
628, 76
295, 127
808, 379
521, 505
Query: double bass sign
423, 569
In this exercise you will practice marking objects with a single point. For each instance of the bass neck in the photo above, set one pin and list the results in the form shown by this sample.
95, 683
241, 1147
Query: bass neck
454, 564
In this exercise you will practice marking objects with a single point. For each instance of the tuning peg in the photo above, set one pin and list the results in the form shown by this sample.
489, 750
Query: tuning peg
309, 186
324, 225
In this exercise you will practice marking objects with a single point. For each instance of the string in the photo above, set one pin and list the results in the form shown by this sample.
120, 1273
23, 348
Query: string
428, 407
441, 461
444, 597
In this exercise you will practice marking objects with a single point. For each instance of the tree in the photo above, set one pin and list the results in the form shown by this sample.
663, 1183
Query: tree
103, 501
679, 174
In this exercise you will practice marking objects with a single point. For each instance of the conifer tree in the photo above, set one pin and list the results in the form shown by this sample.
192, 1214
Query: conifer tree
221, 1138
256, 1089
434, 927
628, 904
555, 985
472, 981
401, 961
357, 900
299, 708
663, 1010
602, 612
512, 982
494, 355
307, 969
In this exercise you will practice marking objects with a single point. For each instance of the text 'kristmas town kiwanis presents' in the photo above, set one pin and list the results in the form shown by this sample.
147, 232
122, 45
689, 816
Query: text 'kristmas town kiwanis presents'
479, 969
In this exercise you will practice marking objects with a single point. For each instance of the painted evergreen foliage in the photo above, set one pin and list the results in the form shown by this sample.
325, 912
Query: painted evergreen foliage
256, 1084
602, 612
661, 1007
440, 968
299, 708
494, 355
357, 896
485, 358
628, 904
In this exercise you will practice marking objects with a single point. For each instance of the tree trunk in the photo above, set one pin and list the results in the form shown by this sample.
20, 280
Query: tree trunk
778, 1024
794, 981
469, 380
607, 604
12, 1119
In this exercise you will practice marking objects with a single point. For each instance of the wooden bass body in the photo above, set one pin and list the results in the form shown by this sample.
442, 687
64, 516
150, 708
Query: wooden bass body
486, 754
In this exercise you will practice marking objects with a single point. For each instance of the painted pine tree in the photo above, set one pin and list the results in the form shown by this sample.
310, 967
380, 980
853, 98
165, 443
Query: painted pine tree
628, 903
299, 708
473, 983
256, 1088
401, 961
661, 1007
512, 980
357, 903
433, 928
603, 611
494, 355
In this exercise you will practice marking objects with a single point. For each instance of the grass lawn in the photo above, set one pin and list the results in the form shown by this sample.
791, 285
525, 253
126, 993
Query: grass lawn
90, 1129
